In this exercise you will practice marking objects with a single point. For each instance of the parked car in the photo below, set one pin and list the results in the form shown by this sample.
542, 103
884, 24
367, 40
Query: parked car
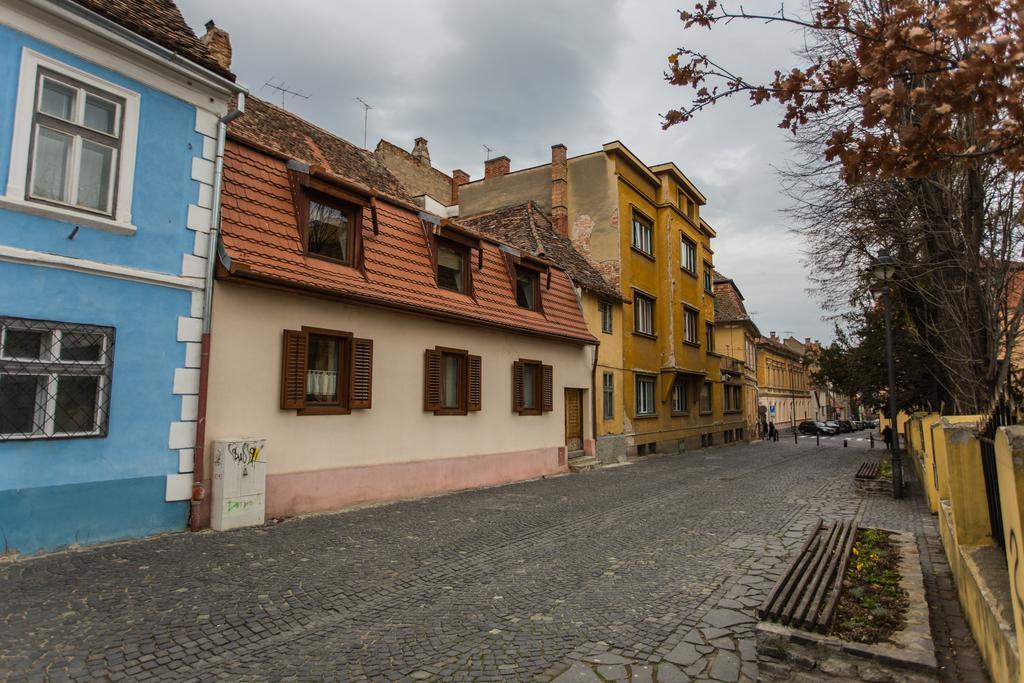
809, 427
846, 426
835, 426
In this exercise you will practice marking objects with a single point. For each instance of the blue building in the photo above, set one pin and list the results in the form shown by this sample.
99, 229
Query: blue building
109, 117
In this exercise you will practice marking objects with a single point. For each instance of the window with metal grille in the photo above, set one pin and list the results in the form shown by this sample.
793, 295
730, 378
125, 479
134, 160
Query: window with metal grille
54, 379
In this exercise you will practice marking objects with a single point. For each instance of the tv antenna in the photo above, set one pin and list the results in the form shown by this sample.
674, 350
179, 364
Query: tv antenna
283, 90
366, 115
489, 150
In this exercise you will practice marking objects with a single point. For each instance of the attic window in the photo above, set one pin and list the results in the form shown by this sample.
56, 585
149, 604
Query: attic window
330, 229
452, 273
527, 288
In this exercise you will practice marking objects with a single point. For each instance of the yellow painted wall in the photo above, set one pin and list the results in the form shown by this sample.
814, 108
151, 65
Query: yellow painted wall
609, 359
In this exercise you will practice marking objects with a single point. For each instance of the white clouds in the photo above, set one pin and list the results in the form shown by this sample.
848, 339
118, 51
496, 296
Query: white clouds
521, 75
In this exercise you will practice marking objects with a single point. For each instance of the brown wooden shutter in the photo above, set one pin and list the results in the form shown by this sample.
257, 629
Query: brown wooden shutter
293, 371
549, 390
517, 386
432, 380
361, 384
475, 393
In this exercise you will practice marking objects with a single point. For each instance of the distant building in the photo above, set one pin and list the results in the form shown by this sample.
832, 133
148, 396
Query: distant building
782, 383
431, 188
736, 338
658, 374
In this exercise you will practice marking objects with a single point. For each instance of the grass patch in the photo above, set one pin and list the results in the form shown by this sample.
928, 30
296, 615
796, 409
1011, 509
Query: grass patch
872, 605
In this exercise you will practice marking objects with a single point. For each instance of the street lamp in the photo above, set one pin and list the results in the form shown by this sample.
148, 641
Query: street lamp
883, 268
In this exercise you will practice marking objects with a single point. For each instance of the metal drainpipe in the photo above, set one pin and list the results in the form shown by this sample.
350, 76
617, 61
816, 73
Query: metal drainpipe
198, 492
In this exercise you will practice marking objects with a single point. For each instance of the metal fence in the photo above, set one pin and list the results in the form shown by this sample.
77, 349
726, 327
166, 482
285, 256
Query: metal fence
1002, 415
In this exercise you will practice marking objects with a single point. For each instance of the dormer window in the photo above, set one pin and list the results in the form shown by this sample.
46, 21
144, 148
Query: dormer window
452, 273
330, 228
527, 288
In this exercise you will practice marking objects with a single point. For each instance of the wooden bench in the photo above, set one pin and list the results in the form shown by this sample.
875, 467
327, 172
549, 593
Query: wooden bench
806, 595
868, 470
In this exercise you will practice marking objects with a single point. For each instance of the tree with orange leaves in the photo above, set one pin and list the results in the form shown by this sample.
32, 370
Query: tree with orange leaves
908, 116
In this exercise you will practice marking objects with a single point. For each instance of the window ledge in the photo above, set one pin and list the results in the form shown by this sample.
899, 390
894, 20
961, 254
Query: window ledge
705, 414
716, 354
675, 414
645, 335
645, 416
67, 216
642, 252
688, 271
695, 345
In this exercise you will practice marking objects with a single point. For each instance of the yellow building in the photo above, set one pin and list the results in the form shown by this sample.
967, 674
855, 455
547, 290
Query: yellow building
782, 383
736, 338
658, 375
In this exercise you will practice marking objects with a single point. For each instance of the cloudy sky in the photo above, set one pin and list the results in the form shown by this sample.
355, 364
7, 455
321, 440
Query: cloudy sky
521, 75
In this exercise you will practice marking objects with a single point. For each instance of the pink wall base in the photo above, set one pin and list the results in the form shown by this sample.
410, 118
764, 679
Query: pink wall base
296, 493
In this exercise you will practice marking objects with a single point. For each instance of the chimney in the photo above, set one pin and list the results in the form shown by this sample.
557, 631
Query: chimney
459, 178
559, 190
420, 151
496, 167
772, 334
218, 43
807, 341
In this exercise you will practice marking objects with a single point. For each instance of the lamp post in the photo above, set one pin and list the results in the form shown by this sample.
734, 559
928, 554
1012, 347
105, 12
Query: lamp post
883, 268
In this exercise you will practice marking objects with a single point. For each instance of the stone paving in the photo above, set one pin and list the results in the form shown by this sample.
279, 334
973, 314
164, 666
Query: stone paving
645, 572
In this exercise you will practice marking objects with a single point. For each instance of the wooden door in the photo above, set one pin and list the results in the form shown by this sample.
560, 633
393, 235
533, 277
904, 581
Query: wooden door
574, 419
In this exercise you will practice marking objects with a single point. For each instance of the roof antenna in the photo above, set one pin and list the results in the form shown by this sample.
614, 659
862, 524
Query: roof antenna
489, 150
282, 89
366, 115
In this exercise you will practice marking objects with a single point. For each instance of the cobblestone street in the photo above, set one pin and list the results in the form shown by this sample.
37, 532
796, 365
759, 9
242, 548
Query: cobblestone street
650, 569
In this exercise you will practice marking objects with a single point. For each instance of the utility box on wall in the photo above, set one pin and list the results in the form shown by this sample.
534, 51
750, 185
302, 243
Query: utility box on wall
239, 483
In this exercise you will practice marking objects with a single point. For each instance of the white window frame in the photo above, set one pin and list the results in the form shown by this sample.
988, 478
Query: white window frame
690, 330
643, 319
688, 254
645, 401
643, 233
49, 369
17, 190
679, 397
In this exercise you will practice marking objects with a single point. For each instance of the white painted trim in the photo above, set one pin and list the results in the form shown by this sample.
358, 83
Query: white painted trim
202, 170
186, 460
199, 219
189, 407
31, 61
93, 43
179, 487
69, 216
186, 381
182, 435
148, 277
190, 329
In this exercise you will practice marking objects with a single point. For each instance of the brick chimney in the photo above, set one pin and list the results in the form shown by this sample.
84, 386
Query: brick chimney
559, 190
807, 341
420, 151
218, 43
772, 334
459, 178
496, 167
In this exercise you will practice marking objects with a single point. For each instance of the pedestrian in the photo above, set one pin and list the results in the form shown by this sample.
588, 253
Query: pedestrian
773, 433
887, 435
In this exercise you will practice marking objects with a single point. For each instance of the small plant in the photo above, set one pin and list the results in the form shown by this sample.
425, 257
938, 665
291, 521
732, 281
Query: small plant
872, 603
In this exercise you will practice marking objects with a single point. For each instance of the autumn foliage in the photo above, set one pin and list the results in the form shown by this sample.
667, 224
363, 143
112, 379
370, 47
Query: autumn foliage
921, 84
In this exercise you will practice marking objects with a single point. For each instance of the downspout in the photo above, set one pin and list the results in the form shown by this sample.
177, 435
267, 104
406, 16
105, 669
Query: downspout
594, 403
198, 492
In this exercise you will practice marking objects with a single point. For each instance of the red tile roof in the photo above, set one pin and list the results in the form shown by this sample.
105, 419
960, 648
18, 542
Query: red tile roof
283, 132
261, 236
161, 22
526, 227
729, 305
